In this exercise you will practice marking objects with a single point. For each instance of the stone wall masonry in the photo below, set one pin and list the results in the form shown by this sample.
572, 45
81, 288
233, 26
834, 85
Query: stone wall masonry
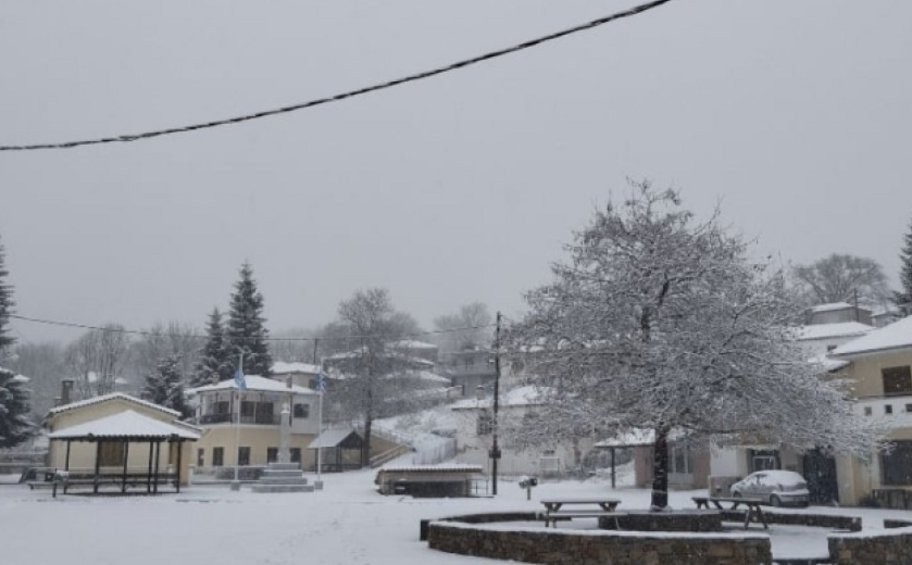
848, 523
892, 547
569, 547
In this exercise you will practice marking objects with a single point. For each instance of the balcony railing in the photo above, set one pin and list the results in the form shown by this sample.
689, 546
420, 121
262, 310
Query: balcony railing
896, 410
231, 418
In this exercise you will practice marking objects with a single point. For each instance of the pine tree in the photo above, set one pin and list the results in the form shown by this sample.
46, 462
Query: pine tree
166, 387
903, 298
15, 426
246, 333
214, 364
6, 306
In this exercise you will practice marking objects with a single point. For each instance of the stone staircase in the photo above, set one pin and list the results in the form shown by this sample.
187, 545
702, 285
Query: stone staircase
282, 477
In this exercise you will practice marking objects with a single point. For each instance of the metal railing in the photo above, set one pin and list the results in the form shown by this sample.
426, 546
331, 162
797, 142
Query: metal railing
229, 418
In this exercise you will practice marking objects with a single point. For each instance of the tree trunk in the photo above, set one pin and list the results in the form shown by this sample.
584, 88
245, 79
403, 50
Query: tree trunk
660, 469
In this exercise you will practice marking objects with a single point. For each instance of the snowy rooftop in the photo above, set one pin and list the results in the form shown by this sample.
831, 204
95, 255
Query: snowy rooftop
831, 307
828, 363
412, 344
254, 383
897, 335
523, 396
442, 468
826, 331
113, 396
281, 367
331, 438
126, 424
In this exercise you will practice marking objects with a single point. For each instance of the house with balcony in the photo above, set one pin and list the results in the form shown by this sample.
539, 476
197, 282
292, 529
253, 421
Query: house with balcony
879, 365
243, 427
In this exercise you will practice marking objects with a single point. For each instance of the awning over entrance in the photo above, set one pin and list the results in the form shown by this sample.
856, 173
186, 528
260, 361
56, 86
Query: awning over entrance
127, 425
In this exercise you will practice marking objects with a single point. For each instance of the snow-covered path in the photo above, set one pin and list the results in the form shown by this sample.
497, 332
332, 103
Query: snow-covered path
347, 523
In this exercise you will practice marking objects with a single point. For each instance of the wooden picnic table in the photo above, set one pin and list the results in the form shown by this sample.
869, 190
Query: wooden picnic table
553, 507
751, 504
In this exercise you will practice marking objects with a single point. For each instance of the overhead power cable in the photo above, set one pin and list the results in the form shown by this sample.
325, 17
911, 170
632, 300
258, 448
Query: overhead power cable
343, 95
122, 330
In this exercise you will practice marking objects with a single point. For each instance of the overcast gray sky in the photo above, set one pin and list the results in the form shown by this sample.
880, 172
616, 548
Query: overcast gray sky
798, 115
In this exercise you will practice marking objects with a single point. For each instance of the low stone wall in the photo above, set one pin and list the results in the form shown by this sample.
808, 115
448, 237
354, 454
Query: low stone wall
894, 547
678, 521
848, 523
569, 547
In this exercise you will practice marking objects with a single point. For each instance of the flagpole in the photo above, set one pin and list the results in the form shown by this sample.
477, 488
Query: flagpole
237, 424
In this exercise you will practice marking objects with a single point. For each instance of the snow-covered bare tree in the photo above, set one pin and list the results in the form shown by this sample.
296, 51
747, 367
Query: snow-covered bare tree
903, 298
659, 322
160, 341
840, 278
165, 386
43, 363
371, 324
468, 328
246, 331
96, 357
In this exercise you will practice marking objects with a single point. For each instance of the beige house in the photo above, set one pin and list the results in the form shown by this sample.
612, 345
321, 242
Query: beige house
880, 366
132, 428
255, 441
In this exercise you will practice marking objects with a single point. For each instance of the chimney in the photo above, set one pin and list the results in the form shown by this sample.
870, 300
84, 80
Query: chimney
66, 391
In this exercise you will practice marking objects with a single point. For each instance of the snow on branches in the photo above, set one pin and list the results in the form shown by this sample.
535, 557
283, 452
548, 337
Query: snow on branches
657, 321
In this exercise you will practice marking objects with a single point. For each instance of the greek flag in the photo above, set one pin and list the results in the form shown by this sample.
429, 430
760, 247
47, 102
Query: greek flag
321, 382
239, 380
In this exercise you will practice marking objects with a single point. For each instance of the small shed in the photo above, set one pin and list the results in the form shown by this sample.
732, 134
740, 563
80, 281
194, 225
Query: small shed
342, 449
430, 481
119, 432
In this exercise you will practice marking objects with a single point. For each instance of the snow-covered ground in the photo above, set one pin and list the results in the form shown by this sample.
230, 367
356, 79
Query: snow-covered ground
347, 523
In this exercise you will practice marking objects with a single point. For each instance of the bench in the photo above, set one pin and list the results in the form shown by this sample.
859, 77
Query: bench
553, 511
754, 512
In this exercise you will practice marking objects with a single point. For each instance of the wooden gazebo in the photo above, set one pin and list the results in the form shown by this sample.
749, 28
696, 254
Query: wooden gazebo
127, 428
335, 443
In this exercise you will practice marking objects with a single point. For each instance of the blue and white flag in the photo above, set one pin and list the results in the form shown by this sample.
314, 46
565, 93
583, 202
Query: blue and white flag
239, 379
321, 382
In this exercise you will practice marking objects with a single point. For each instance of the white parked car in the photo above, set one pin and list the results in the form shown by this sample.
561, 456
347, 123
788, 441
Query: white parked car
778, 488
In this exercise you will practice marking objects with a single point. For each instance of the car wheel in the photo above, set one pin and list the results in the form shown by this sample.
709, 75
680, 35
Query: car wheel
775, 500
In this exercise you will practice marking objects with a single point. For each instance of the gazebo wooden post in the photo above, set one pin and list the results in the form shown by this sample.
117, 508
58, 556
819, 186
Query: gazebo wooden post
180, 449
149, 474
123, 478
157, 463
66, 465
97, 465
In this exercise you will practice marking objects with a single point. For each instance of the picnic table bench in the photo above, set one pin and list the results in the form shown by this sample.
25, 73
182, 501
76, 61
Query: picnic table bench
751, 504
553, 512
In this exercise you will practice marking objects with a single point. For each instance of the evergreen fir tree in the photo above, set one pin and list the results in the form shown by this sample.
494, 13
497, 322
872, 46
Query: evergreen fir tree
903, 298
15, 427
6, 307
166, 387
246, 334
214, 364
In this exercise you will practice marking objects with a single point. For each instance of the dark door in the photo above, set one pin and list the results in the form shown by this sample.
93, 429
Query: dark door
820, 474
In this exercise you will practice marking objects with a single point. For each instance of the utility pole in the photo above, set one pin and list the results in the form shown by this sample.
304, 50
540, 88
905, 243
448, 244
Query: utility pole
321, 386
495, 450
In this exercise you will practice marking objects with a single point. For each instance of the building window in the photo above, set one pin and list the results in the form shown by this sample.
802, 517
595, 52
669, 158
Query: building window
218, 456
112, 454
244, 455
265, 413
222, 407
681, 460
888, 409
248, 409
868, 411
897, 465
200, 457
897, 380
295, 454
485, 423
302, 410
272, 454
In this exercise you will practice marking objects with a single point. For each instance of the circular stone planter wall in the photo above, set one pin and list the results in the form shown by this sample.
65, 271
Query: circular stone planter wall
676, 521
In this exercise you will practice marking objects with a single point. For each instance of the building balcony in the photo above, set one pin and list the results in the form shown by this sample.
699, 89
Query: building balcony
896, 410
263, 419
